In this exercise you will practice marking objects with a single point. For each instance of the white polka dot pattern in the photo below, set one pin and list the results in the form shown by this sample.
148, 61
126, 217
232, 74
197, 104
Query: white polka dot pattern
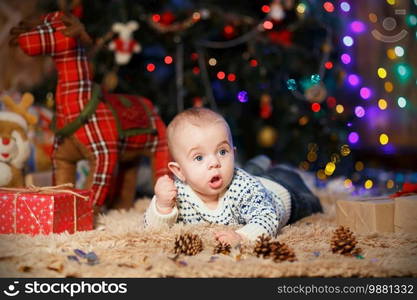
245, 202
44, 213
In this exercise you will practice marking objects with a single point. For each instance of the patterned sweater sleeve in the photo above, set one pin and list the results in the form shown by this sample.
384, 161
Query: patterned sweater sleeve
258, 211
153, 218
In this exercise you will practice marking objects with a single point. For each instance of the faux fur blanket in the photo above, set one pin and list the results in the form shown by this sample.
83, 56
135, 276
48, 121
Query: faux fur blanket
123, 248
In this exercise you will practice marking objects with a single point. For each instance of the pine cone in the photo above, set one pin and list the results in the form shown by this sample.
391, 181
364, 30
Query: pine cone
344, 242
222, 248
281, 252
262, 247
188, 244
275, 250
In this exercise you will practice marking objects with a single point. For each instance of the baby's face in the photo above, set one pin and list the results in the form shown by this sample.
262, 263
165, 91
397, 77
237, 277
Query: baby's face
206, 158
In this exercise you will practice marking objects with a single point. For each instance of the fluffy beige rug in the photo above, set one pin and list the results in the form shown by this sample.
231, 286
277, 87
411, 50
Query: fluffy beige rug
124, 249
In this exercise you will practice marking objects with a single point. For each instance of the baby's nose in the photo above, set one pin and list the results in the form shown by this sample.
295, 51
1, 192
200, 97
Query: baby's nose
214, 162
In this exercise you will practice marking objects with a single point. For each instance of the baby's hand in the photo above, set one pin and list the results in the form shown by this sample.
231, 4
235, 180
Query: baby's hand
230, 237
165, 192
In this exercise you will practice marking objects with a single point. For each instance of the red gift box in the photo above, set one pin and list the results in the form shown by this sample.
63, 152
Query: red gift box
45, 210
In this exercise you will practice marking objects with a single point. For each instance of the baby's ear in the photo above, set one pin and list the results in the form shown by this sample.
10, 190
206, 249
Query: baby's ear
176, 169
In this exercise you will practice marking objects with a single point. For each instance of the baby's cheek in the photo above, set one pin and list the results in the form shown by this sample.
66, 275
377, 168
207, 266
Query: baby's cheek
229, 174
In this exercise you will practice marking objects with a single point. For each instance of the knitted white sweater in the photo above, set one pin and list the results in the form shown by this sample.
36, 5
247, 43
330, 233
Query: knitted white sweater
261, 205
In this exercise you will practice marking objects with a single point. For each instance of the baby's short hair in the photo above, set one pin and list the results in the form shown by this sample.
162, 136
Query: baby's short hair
197, 116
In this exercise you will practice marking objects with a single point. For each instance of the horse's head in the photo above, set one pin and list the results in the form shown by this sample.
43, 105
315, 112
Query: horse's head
47, 38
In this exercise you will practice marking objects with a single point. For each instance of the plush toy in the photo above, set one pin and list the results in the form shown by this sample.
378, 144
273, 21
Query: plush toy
124, 45
14, 142
111, 131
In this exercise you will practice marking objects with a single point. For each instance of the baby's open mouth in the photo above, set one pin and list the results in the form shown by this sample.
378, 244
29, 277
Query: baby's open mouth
214, 179
216, 182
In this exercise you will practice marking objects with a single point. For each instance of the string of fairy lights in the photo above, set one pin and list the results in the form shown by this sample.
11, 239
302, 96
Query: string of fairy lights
402, 72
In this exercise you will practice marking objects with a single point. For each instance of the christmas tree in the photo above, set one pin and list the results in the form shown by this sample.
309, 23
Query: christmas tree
267, 62
290, 76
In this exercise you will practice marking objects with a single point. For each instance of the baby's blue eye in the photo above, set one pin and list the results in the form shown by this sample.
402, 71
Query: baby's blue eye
223, 152
198, 158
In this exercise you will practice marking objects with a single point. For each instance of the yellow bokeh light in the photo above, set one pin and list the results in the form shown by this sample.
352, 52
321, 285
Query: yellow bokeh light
391, 54
359, 166
382, 104
389, 87
390, 183
339, 108
303, 120
301, 8
196, 16
382, 73
321, 175
373, 18
304, 165
391, 2
383, 139
330, 167
326, 48
311, 156
347, 183
212, 61
368, 184
344, 150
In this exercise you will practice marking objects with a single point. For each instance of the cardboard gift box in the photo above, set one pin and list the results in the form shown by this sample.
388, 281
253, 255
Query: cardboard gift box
405, 217
45, 210
366, 215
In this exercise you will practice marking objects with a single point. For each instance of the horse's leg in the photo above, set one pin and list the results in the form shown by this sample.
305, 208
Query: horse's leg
92, 163
126, 185
64, 159
92, 166
99, 135
102, 167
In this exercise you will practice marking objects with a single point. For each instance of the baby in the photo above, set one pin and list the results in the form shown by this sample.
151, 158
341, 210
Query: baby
208, 188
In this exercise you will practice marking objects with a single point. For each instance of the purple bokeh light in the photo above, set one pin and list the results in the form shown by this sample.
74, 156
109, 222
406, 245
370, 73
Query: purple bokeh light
365, 93
242, 96
353, 137
357, 26
388, 149
353, 79
359, 111
349, 124
346, 59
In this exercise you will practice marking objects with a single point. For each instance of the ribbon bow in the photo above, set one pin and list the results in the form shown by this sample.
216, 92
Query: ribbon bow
46, 189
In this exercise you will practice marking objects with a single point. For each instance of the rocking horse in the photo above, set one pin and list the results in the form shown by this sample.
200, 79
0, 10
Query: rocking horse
111, 131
